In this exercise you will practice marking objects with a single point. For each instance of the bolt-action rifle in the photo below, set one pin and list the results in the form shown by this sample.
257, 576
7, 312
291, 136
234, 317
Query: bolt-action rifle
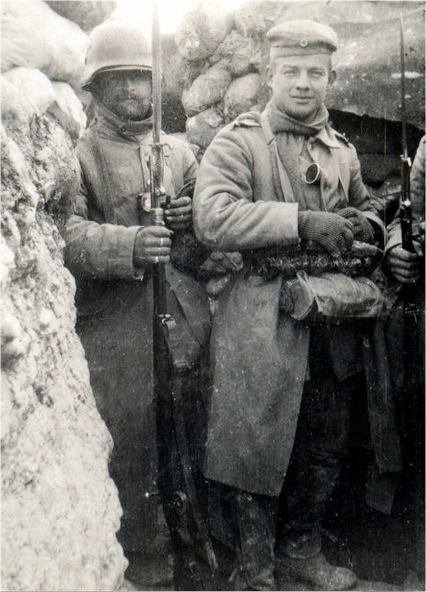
177, 486
411, 355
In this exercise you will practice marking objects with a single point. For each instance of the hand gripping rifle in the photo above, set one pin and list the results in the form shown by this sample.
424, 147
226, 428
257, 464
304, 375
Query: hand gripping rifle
411, 336
171, 367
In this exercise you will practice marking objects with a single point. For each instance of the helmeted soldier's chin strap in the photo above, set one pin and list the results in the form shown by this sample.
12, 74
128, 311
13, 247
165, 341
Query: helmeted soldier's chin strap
125, 126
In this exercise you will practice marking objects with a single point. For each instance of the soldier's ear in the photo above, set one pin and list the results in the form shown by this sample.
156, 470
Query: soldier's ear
332, 76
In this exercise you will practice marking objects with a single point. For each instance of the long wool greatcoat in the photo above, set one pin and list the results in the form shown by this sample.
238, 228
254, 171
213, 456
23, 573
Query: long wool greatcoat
115, 305
259, 354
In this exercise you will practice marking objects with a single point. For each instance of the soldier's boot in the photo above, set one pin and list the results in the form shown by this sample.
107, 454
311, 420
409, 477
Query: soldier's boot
317, 572
299, 553
254, 520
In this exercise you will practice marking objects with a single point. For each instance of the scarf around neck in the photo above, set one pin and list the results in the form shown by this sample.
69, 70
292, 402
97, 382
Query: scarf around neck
291, 136
282, 122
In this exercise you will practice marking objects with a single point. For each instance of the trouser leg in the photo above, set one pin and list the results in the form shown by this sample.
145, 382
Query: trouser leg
320, 445
306, 500
321, 442
254, 520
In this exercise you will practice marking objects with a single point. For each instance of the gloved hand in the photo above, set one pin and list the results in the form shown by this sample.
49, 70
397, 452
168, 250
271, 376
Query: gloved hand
331, 231
403, 265
419, 239
363, 230
178, 214
152, 245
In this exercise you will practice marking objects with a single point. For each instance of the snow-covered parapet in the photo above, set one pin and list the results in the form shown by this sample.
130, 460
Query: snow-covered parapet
60, 509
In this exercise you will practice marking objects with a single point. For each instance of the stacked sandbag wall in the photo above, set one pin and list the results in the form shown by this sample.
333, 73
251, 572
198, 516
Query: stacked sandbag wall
60, 510
87, 14
224, 56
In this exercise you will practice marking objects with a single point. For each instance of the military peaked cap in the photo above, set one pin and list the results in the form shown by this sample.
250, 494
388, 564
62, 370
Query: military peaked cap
301, 37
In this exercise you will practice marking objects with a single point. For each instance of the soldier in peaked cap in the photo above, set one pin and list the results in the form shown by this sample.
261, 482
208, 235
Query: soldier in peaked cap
280, 408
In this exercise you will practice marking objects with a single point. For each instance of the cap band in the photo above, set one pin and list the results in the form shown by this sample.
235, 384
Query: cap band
282, 52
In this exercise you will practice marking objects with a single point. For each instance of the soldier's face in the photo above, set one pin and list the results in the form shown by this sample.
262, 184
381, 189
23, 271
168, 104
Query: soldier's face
127, 93
299, 84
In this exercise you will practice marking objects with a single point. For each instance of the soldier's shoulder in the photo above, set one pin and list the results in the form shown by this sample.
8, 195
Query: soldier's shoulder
243, 126
249, 119
341, 137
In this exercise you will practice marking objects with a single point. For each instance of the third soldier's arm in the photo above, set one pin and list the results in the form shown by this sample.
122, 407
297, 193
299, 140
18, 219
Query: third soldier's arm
403, 265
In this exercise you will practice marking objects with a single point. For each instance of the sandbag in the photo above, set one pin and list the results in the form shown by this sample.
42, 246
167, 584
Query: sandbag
34, 86
240, 54
206, 90
56, 98
16, 109
86, 14
68, 110
202, 128
241, 96
254, 19
33, 36
193, 70
202, 30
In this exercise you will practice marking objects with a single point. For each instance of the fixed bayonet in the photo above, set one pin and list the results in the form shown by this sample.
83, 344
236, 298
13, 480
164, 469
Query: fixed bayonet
405, 198
156, 161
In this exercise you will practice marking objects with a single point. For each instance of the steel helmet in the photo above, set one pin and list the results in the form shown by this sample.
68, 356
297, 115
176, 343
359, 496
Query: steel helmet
116, 45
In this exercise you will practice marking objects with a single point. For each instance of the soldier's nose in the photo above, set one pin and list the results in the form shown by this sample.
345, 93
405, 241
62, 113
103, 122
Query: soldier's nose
129, 83
302, 81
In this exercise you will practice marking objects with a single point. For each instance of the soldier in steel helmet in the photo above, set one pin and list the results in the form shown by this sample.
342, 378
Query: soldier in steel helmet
111, 247
280, 411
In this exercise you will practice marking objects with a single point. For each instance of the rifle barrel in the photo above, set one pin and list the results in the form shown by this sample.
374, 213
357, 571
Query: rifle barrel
402, 53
